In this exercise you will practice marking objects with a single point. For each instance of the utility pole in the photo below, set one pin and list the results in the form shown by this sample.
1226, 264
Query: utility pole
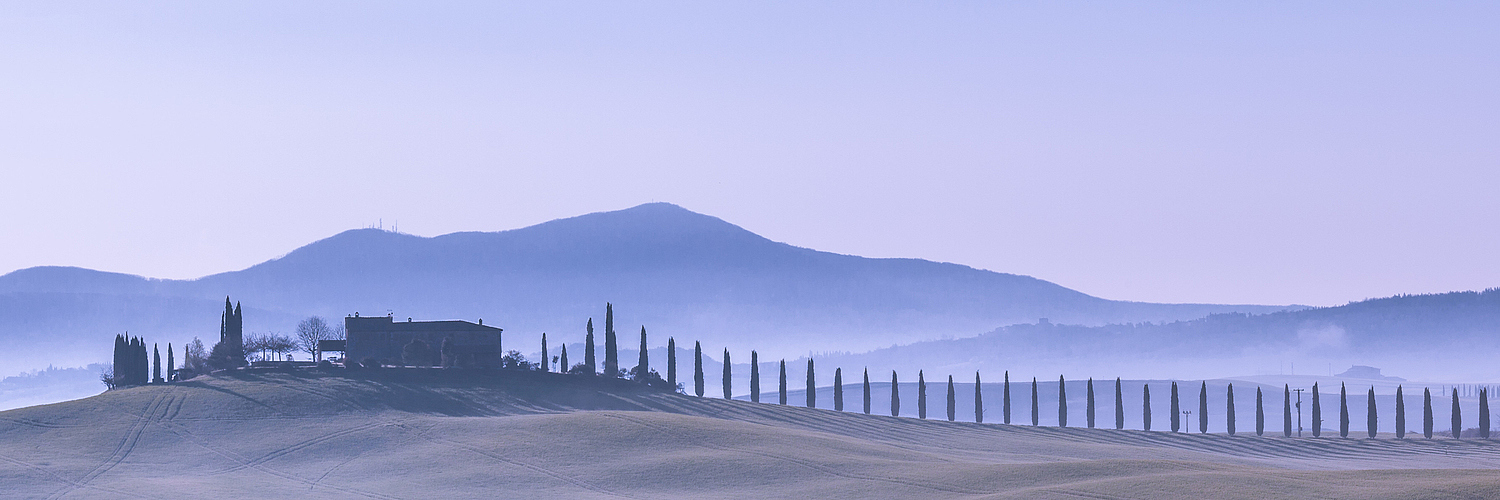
1299, 411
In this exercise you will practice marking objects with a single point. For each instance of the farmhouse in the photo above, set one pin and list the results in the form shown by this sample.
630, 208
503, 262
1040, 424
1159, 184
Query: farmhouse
382, 338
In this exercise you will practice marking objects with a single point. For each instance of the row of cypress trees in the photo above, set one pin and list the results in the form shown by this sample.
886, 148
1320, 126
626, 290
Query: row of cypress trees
134, 365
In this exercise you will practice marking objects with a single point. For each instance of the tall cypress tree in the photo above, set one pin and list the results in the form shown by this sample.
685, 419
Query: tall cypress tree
867, 391
1036, 412
754, 377
1426, 413
1229, 411
1372, 420
1343, 412
117, 367
156, 365
1089, 405
1005, 399
1203, 409
895, 395
783, 381
1260, 414
1146, 407
812, 386
952, 401
1400, 415
1317, 413
1458, 421
643, 363
838, 389
1119, 405
1484, 411
1176, 410
171, 364
1062, 402
588, 350
978, 400
546, 361
671, 361
562, 357
727, 375
698, 368
921, 396
611, 348
1286, 410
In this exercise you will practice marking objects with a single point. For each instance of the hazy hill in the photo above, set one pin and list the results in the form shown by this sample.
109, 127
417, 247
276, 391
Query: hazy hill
427, 434
677, 272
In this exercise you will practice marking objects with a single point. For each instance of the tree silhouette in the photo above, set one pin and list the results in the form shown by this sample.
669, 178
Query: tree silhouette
1089, 405
156, 365
1400, 414
1286, 411
1458, 425
171, 364
611, 348
921, 396
563, 363
1426, 413
895, 396
812, 386
1005, 399
867, 391
978, 400
588, 350
1146, 407
547, 361
1317, 413
1372, 423
783, 382
1343, 412
671, 361
1036, 413
727, 389
1203, 409
1260, 414
1229, 410
698, 368
642, 364
1484, 409
1119, 405
1062, 402
754, 377
1176, 410
838, 389
952, 401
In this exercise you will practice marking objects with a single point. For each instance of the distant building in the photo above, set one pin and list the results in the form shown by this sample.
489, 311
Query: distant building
382, 338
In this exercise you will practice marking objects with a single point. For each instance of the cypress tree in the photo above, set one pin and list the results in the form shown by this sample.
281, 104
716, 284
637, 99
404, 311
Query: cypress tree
812, 386
921, 396
119, 361
1176, 411
1484, 410
978, 400
1286, 411
783, 381
1229, 410
1317, 413
1203, 409
611, 348
1372, 421
1426, 413
1146, 407
1400, 415
171, 364
671, 361
588, 350
1343, 412
952, 401
727, 392
643, 364
867, 391
564, 367
1005, 399
698, 368
754, 377
546, 361
1260, 414
1089, 405
838, 389
895, 396
1062, 402
1119, 405
156, 365
1036, 414
1458, 425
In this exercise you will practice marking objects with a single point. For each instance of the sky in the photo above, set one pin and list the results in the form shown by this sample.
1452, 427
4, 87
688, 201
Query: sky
1229, 152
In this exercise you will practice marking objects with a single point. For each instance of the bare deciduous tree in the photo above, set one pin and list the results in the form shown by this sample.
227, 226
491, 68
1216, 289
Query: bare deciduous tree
310, 331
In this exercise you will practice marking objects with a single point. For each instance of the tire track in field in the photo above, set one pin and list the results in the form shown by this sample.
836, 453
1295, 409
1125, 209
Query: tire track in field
516, 463
300, 445
231, 455
60, 478
127, 444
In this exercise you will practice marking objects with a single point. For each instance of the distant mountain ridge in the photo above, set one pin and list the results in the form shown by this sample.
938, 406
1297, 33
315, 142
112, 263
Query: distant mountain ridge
677, 272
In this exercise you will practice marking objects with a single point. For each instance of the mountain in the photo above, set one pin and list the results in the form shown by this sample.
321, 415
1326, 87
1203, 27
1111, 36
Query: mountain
677, 272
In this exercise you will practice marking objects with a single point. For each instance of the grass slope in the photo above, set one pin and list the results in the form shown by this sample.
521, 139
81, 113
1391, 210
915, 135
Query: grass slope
429, 434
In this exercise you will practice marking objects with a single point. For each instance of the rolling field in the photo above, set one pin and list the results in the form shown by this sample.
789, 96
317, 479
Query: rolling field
433, 434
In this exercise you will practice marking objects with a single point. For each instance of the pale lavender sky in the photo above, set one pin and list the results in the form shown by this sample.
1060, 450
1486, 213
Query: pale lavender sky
1248, 152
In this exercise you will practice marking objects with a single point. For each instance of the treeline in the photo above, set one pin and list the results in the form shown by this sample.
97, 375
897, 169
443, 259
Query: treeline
134, 365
